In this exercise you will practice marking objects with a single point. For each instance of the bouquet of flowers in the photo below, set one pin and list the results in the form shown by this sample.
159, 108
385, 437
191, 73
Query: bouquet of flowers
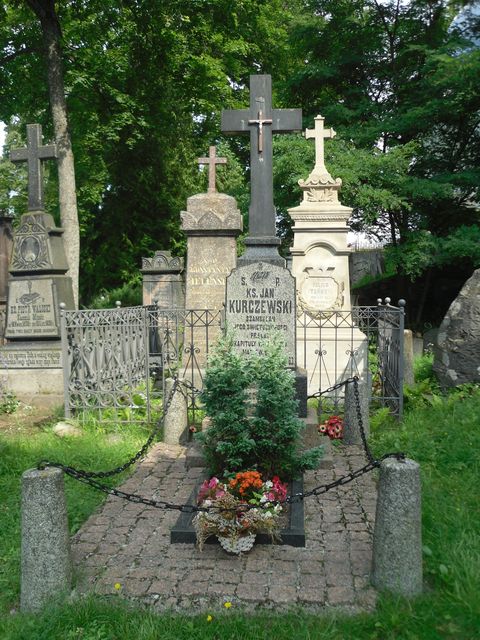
333, 428
238, 509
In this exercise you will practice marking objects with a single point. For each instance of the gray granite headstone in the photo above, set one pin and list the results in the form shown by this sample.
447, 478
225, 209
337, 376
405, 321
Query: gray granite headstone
37, 285
162, 281
260, 300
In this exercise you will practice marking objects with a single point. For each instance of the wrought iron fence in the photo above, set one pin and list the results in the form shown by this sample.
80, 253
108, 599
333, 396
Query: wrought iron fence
365, 341
116, 361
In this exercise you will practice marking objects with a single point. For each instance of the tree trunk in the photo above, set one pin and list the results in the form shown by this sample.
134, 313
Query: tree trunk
46, 13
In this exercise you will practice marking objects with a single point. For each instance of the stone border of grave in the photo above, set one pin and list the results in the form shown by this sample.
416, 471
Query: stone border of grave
183, 531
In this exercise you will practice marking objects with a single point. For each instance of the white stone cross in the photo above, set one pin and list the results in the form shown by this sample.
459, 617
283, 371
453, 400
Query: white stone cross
319, 133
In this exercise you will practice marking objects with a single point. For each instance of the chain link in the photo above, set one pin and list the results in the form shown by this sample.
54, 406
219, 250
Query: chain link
335, 387
88, 477
140, 453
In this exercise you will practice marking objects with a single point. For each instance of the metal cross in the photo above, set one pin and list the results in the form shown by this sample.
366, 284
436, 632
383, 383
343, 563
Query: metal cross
319, 134
260, 121
212, 160
252, 121
33, 154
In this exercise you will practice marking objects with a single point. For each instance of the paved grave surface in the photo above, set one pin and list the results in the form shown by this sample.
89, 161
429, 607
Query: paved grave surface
129, 545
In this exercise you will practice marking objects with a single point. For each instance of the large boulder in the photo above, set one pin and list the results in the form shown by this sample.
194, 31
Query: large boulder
457, 350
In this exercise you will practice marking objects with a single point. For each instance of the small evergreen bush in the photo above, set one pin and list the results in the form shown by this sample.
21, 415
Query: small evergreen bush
268, 440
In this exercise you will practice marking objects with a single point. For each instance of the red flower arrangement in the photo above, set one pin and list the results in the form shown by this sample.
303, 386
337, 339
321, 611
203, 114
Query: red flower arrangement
333, 428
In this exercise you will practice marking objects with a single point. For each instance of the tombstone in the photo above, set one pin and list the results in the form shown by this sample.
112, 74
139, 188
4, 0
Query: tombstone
36, 288
320, 264
6, 241
162, 281
260, 295
457, 349
211, 223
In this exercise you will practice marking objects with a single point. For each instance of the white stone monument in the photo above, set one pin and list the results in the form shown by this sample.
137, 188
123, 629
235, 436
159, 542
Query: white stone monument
328, 345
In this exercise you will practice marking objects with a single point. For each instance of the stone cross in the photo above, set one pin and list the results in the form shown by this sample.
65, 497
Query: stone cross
212, 161
33, 154
261, 121
319, 134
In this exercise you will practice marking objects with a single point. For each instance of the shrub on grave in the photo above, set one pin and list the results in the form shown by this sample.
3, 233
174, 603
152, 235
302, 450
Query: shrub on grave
268, 440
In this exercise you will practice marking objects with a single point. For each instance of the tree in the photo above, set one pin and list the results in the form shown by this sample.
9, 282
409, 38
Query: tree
46, 13
399, 83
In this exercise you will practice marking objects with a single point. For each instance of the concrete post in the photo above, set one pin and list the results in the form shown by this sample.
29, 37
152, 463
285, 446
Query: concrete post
46, 563
351, 427
397, 539
175, 421
408, 377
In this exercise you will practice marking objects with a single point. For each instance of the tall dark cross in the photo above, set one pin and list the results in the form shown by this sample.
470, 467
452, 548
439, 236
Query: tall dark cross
33, 154
261, 121
212, 161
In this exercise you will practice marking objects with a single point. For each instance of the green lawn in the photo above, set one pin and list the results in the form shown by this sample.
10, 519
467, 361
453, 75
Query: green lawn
442, 434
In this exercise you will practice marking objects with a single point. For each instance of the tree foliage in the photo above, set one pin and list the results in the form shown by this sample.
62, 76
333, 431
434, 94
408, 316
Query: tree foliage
146, 81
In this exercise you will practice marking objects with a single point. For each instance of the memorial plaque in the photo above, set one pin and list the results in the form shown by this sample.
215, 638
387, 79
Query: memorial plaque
31, 311
31, 358
261, 299
320, 293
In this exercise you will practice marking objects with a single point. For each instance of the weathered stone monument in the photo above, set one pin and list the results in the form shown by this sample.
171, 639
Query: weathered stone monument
260, 295
6, 241
320, 264
36, 288
162, 281
211, 223
457, 348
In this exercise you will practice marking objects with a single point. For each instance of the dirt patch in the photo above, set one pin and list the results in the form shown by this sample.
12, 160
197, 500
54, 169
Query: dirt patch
26, 419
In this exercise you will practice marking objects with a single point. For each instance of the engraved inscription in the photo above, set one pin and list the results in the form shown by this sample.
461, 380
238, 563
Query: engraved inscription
260, 299
31, 310
31, 359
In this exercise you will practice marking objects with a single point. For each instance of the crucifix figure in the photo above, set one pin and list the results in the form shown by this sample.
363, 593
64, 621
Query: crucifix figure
212, 161
33, 154
261, 121
319, 134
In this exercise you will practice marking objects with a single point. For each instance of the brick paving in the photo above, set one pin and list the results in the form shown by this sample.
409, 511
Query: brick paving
129, 544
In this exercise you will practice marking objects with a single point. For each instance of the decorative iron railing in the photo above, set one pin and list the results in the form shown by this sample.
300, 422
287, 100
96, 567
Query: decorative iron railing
116, 361
365, 341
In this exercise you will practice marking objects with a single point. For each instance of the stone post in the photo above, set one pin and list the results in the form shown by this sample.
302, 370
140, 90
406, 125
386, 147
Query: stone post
176, 418
397, 539
46, 564
351, 429
408, 377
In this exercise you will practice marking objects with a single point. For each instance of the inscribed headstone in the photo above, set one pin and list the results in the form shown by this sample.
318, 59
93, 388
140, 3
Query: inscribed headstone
261, 300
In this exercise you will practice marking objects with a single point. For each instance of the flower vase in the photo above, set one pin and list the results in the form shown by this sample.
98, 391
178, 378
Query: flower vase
237, 544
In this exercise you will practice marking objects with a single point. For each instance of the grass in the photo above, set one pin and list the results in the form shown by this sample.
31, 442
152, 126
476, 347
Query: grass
21, 450
443, 435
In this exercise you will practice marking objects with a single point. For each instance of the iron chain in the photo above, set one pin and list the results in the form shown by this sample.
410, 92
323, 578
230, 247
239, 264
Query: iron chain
88, 477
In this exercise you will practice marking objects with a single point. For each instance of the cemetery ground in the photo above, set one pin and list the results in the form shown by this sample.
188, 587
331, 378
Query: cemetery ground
440, 432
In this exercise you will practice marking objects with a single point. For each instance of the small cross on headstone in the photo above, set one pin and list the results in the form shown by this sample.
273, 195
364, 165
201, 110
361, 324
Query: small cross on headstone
261, 121
319, 134
33, 154
212, 161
